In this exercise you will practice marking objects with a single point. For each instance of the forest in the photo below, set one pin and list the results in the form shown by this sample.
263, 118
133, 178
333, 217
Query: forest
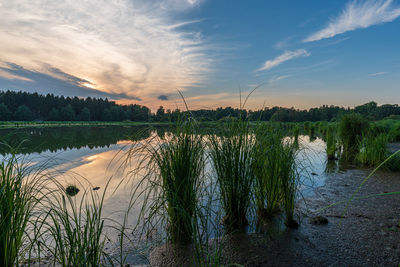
25, 106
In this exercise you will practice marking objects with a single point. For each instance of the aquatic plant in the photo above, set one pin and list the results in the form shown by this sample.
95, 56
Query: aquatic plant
351, 129
289, 177
232, 155
174, 166
296, 132
19, 194
71, 231
373, 149
267, 171
331, 143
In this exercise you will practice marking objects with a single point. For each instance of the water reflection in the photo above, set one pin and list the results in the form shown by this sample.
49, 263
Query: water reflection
93, 156
37, 140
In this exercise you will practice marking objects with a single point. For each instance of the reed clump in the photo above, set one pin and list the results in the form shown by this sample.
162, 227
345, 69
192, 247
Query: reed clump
331, 143
267, 168
72, 231
275, 174
232, 155
373, 150
173, 168
351, 128
20, 193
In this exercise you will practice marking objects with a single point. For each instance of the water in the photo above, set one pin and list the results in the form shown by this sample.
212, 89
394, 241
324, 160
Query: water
91, 156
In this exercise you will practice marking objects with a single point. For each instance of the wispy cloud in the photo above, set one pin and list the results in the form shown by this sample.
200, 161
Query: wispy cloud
376, 74
357, 15
276, 79
128, 47
288, 55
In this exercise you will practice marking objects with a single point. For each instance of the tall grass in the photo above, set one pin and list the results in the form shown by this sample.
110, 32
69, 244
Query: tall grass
289, 181
71, 230
232, 157
296, 133
173, 168
351, 129
19, 194
331, 143
267, 171
373, 150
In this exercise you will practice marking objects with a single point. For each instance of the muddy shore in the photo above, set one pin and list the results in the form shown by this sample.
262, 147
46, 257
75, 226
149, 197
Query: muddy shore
366, 232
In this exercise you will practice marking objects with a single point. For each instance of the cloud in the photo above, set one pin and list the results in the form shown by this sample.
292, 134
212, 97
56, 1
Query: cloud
162, 97
276, 79
56, 82
376, 74
128, 47
358, 15
288, 55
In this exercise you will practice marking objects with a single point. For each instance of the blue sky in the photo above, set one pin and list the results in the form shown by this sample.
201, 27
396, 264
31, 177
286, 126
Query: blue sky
302, 53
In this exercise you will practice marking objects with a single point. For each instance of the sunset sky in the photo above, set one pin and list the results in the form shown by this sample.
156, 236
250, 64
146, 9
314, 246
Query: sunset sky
303, 53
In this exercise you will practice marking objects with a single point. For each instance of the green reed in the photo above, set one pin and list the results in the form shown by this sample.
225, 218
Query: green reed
331, 143
71, 231
173, 167
351, 129
267, 171
232, 155
373, 150
20, 188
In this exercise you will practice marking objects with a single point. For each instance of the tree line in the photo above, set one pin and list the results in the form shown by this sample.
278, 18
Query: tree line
25, 106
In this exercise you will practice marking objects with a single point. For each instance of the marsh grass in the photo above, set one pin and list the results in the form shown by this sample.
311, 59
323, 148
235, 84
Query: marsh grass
351, 129
70, 231
20, 192
289, 176
373, 150
172, 167
232, 154
267, 168
296, 133
331, 143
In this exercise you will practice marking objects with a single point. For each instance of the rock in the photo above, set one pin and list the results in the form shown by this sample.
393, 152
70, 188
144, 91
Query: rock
318, 220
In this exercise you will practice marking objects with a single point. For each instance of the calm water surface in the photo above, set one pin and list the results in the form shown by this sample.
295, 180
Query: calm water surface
92, 156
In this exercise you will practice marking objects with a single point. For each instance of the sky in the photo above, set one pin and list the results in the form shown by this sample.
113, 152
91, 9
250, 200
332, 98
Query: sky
296, 53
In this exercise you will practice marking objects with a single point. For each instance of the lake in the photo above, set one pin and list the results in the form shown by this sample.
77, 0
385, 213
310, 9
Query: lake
91, 157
